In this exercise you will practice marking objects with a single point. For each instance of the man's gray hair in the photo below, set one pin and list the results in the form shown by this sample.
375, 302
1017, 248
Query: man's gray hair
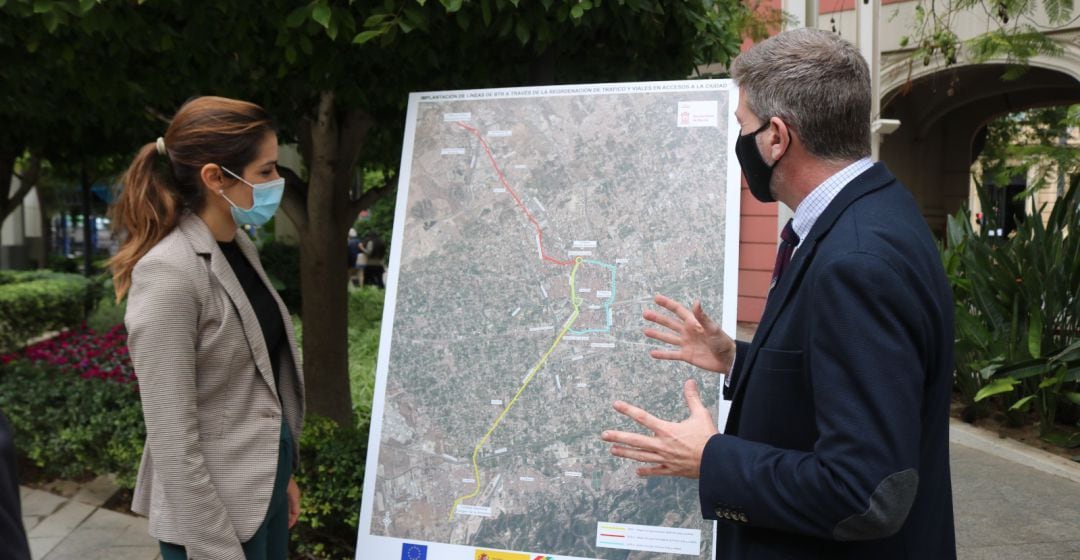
817, 83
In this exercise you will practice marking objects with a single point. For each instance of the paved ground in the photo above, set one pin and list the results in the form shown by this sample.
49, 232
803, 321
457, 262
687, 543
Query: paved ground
77, 528
1011, 502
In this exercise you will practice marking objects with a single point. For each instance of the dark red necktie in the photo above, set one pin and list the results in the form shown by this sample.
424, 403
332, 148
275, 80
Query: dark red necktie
788, 241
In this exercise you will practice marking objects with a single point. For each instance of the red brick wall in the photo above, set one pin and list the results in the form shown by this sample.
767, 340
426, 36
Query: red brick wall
757, 241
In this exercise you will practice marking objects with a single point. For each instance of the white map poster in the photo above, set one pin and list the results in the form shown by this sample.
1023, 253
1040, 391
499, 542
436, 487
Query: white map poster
533, 228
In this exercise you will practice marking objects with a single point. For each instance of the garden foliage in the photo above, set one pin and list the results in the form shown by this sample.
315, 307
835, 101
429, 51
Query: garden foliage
331, 477
1017, 304
74, 404
72, 426
33, 303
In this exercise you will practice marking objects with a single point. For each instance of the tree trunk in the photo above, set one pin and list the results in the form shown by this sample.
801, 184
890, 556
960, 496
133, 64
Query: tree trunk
322, 271
9, 202
323, 212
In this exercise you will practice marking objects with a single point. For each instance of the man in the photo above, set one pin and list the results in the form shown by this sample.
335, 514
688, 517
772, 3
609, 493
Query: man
836, 445
12, 536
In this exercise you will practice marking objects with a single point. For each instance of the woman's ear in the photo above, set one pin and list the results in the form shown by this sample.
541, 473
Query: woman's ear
212, 177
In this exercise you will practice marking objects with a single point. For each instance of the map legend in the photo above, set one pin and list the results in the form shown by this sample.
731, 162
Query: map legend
646, 538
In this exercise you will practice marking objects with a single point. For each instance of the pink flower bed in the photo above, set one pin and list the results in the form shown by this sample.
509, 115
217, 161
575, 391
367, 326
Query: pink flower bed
84, 353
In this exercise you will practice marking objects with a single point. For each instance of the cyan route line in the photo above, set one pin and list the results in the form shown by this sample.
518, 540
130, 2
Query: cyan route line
607, 304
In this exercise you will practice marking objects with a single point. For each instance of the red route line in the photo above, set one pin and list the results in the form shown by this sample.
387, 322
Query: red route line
502, 178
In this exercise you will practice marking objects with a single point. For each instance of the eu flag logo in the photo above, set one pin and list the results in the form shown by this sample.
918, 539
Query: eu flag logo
410, 551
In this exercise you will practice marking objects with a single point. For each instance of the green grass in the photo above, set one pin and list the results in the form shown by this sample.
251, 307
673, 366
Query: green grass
365, 315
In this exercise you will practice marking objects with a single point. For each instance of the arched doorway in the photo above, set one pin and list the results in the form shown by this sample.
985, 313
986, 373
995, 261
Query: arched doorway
941, 112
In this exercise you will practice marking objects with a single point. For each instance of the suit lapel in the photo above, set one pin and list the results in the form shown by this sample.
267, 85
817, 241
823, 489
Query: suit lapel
204, 243
872, 179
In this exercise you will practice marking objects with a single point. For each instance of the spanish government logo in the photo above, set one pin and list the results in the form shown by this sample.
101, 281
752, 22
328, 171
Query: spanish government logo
482, 554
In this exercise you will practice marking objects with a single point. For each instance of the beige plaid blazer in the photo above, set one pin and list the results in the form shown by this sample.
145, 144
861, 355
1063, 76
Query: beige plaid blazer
213, 418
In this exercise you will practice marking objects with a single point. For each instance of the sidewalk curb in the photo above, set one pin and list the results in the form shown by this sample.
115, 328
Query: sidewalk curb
989, 442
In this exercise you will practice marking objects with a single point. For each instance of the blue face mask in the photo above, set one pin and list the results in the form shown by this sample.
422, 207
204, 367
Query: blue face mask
265, 198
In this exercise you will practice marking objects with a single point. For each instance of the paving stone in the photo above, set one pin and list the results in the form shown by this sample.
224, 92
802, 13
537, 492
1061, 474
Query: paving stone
97, 491
40, 546
1008, 510
1041, 551
64, 521
66, 488
126, 530
107, 535
29, 522
40, 503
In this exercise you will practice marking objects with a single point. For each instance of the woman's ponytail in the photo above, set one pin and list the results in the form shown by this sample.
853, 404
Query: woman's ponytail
147, 209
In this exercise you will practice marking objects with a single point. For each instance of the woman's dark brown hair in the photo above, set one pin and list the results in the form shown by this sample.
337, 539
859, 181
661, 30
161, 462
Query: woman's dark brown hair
159, 188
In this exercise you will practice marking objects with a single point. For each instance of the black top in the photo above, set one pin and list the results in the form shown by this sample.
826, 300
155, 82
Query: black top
262, 301
12, 537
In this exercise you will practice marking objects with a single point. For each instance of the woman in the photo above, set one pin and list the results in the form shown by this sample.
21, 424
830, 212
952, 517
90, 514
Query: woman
211, 342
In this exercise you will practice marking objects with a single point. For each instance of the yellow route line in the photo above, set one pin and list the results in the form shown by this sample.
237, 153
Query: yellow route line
575, 301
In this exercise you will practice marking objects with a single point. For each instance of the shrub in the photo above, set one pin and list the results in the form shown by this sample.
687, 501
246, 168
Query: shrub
331, 480
106, 315
72, 427
33, 303
61, 263
1017, 311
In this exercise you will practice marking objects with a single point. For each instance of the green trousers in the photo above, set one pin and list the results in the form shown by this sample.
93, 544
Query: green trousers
271, 540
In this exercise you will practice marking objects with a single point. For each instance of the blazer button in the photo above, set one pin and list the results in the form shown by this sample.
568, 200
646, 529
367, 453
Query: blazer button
742, 517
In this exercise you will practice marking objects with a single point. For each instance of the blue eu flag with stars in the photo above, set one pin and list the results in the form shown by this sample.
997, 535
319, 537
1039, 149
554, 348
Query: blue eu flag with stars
410, 551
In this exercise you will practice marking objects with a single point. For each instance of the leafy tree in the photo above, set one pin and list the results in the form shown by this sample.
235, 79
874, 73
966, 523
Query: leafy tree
1033, 143
1013, 32
336, 74
65, 100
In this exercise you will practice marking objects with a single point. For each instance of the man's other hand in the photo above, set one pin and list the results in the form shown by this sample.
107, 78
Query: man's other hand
676, 448
697, 339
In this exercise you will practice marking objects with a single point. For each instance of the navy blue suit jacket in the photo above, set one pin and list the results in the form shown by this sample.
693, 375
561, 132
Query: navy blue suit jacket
837, 443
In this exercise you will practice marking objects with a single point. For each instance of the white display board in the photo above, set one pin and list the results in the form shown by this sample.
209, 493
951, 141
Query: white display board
533, 228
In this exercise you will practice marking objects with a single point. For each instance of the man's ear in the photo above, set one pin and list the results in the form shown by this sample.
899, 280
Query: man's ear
780, 138
212, 177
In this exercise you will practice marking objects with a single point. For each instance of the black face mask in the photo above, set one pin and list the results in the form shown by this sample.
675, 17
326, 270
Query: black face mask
758, 173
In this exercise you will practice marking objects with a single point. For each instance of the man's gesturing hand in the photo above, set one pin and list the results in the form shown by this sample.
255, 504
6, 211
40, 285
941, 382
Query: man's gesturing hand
676, 448
697, 339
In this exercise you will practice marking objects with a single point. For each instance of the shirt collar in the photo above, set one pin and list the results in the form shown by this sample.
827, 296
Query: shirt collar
811, 208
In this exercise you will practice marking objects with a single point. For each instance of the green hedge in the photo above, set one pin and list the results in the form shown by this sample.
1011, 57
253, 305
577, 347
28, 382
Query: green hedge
72, 427
331, 480
33, 303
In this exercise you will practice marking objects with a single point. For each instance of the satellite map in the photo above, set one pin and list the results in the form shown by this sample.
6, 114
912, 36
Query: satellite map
533, 228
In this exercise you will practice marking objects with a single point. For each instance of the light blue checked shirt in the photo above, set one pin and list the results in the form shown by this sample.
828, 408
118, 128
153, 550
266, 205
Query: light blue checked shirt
818, 200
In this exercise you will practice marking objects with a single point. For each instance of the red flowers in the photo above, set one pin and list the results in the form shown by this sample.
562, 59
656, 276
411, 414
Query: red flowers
85, 353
